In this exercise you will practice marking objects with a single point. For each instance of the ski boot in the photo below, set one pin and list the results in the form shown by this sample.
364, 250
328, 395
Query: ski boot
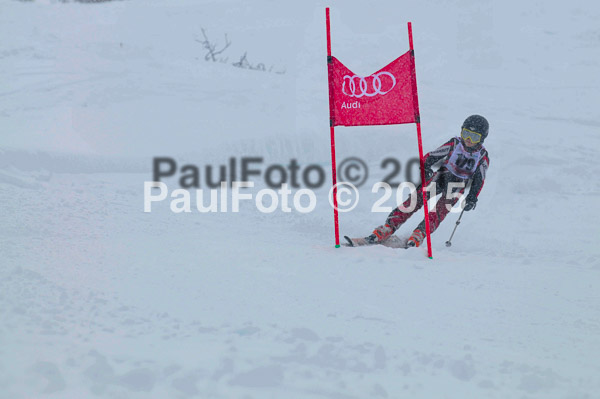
380, 234
416, 239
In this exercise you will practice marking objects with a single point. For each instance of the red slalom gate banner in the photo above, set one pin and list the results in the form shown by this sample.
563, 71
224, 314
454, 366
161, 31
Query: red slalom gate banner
383, 98
386, 97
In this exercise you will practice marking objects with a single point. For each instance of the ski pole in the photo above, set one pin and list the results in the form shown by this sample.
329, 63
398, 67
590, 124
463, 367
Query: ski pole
448, 243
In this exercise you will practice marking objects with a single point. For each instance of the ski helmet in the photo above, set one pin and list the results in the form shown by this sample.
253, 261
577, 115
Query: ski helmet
478, 124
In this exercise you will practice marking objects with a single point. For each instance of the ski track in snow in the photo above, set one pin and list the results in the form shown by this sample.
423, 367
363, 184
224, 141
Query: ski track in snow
99, 299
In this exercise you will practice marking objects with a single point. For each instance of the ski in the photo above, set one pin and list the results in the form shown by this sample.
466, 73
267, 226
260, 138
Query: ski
392, 242
357, 242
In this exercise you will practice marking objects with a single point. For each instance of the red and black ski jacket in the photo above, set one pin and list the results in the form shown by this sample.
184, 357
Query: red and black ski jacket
458, 163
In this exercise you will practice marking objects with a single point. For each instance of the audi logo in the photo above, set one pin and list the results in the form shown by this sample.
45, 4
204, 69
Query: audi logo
363, 88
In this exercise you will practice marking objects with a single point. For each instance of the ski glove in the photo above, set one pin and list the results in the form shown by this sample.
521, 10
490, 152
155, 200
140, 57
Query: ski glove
471, 203
428, 174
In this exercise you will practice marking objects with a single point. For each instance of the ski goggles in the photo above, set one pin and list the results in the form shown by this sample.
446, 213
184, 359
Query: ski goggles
474, 137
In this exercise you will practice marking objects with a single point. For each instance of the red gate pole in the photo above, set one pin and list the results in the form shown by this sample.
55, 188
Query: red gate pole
418, 121
332, 132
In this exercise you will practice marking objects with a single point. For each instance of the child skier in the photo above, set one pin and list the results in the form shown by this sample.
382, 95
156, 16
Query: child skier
462, 159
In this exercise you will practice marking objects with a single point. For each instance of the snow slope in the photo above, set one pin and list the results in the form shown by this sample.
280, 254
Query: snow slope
99, 299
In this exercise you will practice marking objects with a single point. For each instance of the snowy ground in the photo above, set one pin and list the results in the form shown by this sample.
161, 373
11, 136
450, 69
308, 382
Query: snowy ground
99, 299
